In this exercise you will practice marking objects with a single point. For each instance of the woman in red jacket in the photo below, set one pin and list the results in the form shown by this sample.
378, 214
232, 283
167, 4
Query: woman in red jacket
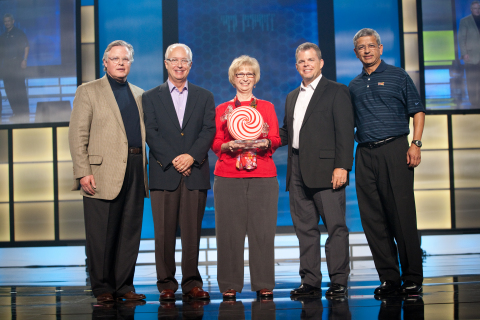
245, 189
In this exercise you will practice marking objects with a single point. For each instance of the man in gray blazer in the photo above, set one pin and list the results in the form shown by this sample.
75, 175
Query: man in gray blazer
318, 129
107, 143
469, 40
180, 125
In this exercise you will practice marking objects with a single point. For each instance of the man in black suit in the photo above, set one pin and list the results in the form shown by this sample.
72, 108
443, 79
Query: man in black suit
318, 128
180, 125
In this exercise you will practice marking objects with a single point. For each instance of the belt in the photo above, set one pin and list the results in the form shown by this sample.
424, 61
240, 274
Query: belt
376, 144
295, 151
133, 150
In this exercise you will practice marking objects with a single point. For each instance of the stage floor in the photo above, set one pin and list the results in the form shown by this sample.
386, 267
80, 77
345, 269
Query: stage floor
451, 291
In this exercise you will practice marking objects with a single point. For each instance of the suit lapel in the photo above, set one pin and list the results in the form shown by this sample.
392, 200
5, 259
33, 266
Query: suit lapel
167, 102
111, 101
291, 108
314, 102
191, 100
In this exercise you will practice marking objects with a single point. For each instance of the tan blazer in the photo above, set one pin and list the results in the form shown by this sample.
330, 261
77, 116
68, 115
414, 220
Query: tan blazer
469, 39
98, 142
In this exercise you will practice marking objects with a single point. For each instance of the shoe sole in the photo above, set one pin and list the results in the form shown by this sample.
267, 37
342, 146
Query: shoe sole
312, 293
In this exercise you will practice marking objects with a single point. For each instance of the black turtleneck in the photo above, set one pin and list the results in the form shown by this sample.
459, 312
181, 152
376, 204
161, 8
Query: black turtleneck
477, 21
129, 110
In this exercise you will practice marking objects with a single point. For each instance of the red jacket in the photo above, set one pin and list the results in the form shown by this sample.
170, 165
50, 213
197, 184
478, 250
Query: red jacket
225, 166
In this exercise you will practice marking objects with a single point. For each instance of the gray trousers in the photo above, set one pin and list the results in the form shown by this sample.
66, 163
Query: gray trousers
307, 205
245, 206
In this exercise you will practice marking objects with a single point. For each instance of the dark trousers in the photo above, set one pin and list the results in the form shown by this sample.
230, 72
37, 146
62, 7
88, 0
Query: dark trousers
14, 82
113, 229
472, 73
387, 209
245, 206
306, 207
184, 208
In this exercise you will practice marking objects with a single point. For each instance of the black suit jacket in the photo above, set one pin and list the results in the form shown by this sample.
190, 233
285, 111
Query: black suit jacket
167, 139
326, 136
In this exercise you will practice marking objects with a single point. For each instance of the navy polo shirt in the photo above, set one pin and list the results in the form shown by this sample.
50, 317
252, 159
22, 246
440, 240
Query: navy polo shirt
383, 102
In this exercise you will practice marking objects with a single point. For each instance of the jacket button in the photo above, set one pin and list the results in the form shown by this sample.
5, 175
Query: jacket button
181, 133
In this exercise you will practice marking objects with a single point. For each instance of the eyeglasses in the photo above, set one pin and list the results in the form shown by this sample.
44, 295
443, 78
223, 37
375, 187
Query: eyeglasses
116, 60
370, 46
242, 75
175, 62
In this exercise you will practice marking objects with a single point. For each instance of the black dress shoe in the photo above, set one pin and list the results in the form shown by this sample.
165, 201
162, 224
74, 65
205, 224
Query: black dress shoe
410, 287
305, 289
336, 289
387, 287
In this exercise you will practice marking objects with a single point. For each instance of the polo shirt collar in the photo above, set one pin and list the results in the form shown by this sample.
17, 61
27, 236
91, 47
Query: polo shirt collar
381, 67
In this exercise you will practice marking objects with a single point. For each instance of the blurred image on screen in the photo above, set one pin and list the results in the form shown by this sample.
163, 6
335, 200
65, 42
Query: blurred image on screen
37, 60
451, 43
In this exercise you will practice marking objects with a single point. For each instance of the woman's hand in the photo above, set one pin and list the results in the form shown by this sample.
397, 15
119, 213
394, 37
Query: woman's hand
264, 144
230, 146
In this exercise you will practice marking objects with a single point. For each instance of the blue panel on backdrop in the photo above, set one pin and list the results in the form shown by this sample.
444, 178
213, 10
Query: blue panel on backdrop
218, 31
350, 17
140, 24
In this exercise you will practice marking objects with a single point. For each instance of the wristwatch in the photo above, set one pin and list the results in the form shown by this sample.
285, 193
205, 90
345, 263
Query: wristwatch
418, 143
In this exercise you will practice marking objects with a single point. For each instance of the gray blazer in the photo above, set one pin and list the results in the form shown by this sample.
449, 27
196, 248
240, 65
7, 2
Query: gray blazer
166, 139
97, 138
326, 135
469, 39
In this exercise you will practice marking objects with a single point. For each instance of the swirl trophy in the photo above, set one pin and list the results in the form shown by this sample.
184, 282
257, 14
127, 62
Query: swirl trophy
246, 125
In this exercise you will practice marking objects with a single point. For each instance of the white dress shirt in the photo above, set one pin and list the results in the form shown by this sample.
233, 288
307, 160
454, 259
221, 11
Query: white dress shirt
304, 97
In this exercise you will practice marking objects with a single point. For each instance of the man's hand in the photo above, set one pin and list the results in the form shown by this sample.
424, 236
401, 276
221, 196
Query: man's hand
339, 178
187, 172
413, 156
23, 64
88, 184
182, 162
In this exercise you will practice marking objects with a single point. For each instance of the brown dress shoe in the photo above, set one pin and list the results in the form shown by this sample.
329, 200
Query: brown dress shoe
167, 294
105, 298
132, 296
197, 293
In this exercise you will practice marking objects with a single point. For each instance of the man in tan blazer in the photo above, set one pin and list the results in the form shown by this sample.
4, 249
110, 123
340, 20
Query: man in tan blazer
107, 143
469, 40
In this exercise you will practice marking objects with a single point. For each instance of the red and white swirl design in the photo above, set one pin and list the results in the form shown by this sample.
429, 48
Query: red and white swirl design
245, 123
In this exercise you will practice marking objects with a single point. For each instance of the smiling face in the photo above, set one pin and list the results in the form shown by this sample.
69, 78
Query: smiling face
118, 71
178, 74
368, 52
244, 85
309, 65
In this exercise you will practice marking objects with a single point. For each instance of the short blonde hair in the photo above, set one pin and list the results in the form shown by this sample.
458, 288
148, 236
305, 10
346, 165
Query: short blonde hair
243, 61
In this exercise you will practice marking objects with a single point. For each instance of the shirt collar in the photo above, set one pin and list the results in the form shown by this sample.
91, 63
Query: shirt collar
381, 67
172, 87
314, 84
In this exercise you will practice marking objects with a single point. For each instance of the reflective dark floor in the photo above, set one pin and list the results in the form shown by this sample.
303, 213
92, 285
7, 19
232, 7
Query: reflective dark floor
455, 295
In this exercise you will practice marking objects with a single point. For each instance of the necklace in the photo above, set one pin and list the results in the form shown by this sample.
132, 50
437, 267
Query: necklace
253, 102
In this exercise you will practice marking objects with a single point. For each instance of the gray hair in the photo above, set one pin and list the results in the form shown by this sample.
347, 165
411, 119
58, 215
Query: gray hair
9, 15
307, 46
117, 43
184, 46
366, 32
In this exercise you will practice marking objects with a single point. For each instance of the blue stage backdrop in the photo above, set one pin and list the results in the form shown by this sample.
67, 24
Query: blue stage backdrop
268, 30
141, 26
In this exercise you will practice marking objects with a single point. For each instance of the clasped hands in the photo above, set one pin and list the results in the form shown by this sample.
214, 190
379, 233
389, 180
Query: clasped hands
183, 164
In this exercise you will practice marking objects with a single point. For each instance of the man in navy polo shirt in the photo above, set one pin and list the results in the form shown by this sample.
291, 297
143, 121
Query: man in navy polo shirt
384, 99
